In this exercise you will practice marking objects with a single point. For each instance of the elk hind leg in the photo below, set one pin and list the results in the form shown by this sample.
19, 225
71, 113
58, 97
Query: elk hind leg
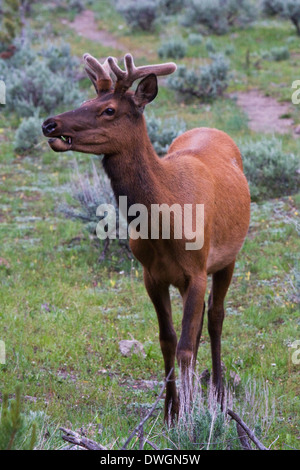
220, 284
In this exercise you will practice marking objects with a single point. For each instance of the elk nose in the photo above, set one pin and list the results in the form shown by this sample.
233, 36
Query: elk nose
48, 127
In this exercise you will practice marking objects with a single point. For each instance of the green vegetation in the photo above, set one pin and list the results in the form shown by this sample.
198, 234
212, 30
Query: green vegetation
63, 313
16, 430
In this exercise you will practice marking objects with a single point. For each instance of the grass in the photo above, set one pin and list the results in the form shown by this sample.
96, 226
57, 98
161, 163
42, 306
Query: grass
62, 314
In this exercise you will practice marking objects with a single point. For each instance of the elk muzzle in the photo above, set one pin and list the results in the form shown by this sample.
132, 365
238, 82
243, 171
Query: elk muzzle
58, 141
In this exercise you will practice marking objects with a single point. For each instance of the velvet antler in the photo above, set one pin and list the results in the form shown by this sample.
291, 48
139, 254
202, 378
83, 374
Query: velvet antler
125, 78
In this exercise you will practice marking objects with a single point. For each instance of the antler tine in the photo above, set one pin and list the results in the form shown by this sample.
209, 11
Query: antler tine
126, 78
98, 73
119, 73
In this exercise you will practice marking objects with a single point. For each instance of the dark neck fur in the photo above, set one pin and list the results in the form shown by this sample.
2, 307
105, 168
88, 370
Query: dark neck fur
135, 172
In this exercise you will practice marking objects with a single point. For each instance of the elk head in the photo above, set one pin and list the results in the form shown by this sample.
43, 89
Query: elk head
105, 124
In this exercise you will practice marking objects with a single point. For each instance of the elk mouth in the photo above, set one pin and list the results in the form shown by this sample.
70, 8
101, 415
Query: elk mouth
60, 143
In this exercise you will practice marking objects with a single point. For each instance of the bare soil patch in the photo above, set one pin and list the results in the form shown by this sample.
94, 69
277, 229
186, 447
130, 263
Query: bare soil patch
265, 113
85, 25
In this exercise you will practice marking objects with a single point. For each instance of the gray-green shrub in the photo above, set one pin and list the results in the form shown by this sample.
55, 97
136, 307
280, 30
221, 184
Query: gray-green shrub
210, 46
204, 82
162, 133
88, 192
270, 171
28, 134
276, 53
170, 7
280, 53
174, 48
40, 80
195, 39
201, 424
219, 15
139, 15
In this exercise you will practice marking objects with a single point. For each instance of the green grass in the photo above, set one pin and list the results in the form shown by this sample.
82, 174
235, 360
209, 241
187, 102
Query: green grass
62, 313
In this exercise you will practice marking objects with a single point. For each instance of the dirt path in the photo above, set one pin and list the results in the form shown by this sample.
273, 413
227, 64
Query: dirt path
85, 25
265, 113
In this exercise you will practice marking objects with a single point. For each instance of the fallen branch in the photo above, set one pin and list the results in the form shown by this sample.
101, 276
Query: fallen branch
77, 439
250, 434
243, 437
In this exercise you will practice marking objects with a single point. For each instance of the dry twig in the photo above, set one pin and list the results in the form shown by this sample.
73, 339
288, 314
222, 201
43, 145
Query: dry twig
250, 434
141, 424
77, 439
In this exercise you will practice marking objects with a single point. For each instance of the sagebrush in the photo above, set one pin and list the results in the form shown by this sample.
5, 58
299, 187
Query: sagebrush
271, 172
40, 80
219, 16
205, 82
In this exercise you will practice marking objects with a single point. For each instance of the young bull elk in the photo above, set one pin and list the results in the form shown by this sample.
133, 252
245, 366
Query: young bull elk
202, 166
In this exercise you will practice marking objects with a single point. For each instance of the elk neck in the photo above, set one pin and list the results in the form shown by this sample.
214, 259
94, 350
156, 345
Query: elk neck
136, 171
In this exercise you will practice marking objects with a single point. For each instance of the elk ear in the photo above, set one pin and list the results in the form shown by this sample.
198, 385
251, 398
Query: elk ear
146, 91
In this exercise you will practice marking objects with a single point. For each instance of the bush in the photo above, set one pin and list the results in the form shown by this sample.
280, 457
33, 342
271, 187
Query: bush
170, 7
28, 134
270, 171
210, 46
203, 424
162, 134
77, 5
276, 53
59, 59
219, 15
175, 49
40, 81
139, 15
280, 53
195, 39
88, 193
288, 9
206, 82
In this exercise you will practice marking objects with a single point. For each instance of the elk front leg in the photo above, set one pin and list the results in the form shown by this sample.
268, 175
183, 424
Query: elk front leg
159, 294
193, 311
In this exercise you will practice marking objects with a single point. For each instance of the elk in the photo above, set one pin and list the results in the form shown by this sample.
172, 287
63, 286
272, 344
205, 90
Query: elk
202, 166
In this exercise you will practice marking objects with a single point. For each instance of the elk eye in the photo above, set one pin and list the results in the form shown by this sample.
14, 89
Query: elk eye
109, 112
